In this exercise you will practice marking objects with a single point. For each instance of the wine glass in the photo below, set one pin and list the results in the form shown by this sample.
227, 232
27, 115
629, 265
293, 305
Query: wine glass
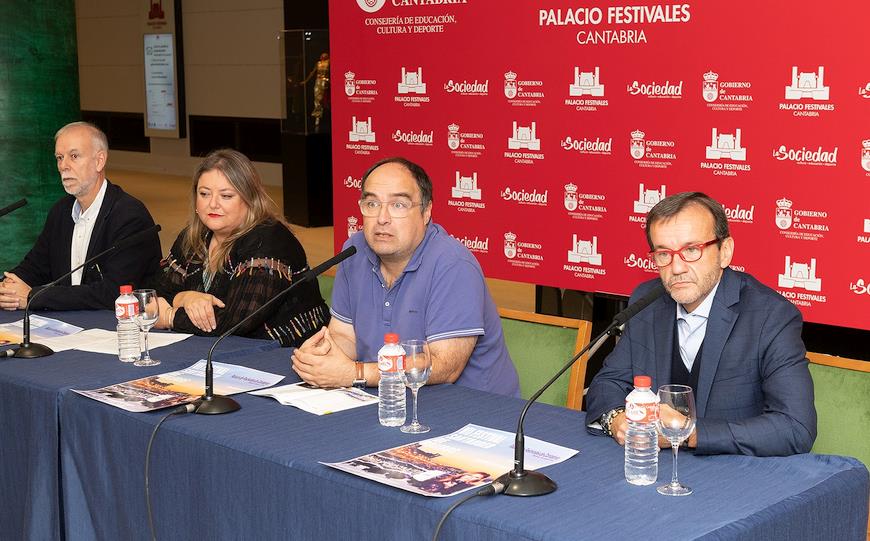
675, 423
415, 374
145, 319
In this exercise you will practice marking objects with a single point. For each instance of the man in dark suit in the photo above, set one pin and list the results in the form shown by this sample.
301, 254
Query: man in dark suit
93, 217
735, 341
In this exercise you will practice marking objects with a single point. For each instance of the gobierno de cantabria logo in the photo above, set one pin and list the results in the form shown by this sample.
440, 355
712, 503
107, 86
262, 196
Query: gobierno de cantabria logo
371, 6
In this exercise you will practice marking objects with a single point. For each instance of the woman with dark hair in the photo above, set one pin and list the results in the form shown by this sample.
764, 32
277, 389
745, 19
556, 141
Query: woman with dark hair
235, 254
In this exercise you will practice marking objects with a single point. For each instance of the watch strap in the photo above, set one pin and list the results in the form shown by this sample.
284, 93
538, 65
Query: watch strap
360, 380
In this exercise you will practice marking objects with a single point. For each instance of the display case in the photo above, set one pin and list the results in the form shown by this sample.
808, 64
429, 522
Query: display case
306, 79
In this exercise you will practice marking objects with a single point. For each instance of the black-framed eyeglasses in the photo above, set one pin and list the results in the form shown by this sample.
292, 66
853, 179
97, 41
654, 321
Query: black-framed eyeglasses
396, 209
689, 254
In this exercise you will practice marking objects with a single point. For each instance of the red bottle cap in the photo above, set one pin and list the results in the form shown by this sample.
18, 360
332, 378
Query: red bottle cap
126, 289
642, 381
391, 338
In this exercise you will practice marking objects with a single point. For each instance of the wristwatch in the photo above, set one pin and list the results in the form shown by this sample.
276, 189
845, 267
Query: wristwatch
360, 381
607, 420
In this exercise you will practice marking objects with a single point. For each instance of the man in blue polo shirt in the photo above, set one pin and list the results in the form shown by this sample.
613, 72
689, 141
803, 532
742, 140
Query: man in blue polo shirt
412, 278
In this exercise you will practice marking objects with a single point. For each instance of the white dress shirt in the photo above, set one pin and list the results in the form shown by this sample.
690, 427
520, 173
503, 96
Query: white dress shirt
692, 327
82, 232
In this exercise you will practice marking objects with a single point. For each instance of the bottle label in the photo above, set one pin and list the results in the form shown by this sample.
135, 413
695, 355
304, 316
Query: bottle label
391, 363
641, 413
125, 311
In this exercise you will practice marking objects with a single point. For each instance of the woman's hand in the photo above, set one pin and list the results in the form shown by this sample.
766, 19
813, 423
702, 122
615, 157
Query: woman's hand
199, 308
166, 313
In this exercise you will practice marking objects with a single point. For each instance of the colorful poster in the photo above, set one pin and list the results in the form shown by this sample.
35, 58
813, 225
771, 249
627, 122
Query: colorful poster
468, 458
551, 128
180, 387
41, 328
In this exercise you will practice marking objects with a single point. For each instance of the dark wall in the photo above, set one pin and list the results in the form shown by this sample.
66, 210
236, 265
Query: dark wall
304, 15
39, 93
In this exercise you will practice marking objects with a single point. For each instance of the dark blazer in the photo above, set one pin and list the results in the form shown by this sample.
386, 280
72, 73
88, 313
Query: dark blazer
754, 394
121, 215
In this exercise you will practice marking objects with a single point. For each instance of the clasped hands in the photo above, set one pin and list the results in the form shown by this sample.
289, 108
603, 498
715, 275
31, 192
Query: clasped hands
13, 292
198, 306
669, 416
319, 361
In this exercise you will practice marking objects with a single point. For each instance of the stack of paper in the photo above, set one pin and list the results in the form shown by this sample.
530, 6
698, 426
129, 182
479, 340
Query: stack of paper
319, 401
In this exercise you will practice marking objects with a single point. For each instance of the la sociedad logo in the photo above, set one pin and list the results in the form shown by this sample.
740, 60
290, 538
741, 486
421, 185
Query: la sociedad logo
804, 156
418, 138
467, 88
656, 90
586, 145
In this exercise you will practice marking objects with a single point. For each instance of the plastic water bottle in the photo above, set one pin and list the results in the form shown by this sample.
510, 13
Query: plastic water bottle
641, 440
391, 388
126, 308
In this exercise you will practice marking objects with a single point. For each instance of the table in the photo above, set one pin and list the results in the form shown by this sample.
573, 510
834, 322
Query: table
31, 391
255, 473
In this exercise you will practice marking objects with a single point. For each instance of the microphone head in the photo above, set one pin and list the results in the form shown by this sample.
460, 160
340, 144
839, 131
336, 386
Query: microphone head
648, 298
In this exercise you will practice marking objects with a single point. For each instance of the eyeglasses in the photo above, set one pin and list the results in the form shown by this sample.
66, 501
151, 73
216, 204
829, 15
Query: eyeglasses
396, 208
689, 254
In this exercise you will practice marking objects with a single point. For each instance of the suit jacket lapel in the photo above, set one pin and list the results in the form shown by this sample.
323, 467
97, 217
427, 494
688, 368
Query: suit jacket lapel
665, 313
94, 246
64, 251
719, 325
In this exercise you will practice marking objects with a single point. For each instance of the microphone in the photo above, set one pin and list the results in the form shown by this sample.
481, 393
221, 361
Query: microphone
213, 404
522, 482
30, 350
621, 318
14, 206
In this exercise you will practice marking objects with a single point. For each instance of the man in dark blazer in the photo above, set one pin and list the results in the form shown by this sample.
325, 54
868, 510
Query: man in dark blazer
93, 217
735, 341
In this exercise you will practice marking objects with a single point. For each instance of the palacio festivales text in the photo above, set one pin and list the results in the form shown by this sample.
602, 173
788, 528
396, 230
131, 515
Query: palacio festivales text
614, 15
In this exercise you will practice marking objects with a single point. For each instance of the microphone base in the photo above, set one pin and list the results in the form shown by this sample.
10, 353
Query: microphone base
527, 483
216, 405
32, 351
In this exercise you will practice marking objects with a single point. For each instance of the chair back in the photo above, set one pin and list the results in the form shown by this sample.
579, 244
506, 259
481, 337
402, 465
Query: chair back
326, 282
842, 388
539, 346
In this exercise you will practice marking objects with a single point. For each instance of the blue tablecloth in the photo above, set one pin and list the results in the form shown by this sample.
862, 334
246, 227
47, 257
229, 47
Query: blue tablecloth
31, 391
255, 473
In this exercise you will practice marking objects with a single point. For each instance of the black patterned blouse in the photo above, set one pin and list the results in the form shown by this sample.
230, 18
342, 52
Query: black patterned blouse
261, 264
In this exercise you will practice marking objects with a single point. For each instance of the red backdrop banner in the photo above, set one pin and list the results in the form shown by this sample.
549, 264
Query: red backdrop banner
551, 128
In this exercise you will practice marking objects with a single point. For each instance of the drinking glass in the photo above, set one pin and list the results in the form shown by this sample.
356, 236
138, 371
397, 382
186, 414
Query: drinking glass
676, 422
145, 319
415, 374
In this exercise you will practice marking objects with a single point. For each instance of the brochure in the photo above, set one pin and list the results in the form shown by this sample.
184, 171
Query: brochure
319, 401
180, 387
447, 465
41, 328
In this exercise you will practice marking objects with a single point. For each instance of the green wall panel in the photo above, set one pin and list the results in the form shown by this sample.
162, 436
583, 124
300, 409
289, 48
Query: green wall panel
39, 93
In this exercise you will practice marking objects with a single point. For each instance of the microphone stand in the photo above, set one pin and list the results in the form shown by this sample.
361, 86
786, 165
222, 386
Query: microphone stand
215, 404
522, 482
32, 350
